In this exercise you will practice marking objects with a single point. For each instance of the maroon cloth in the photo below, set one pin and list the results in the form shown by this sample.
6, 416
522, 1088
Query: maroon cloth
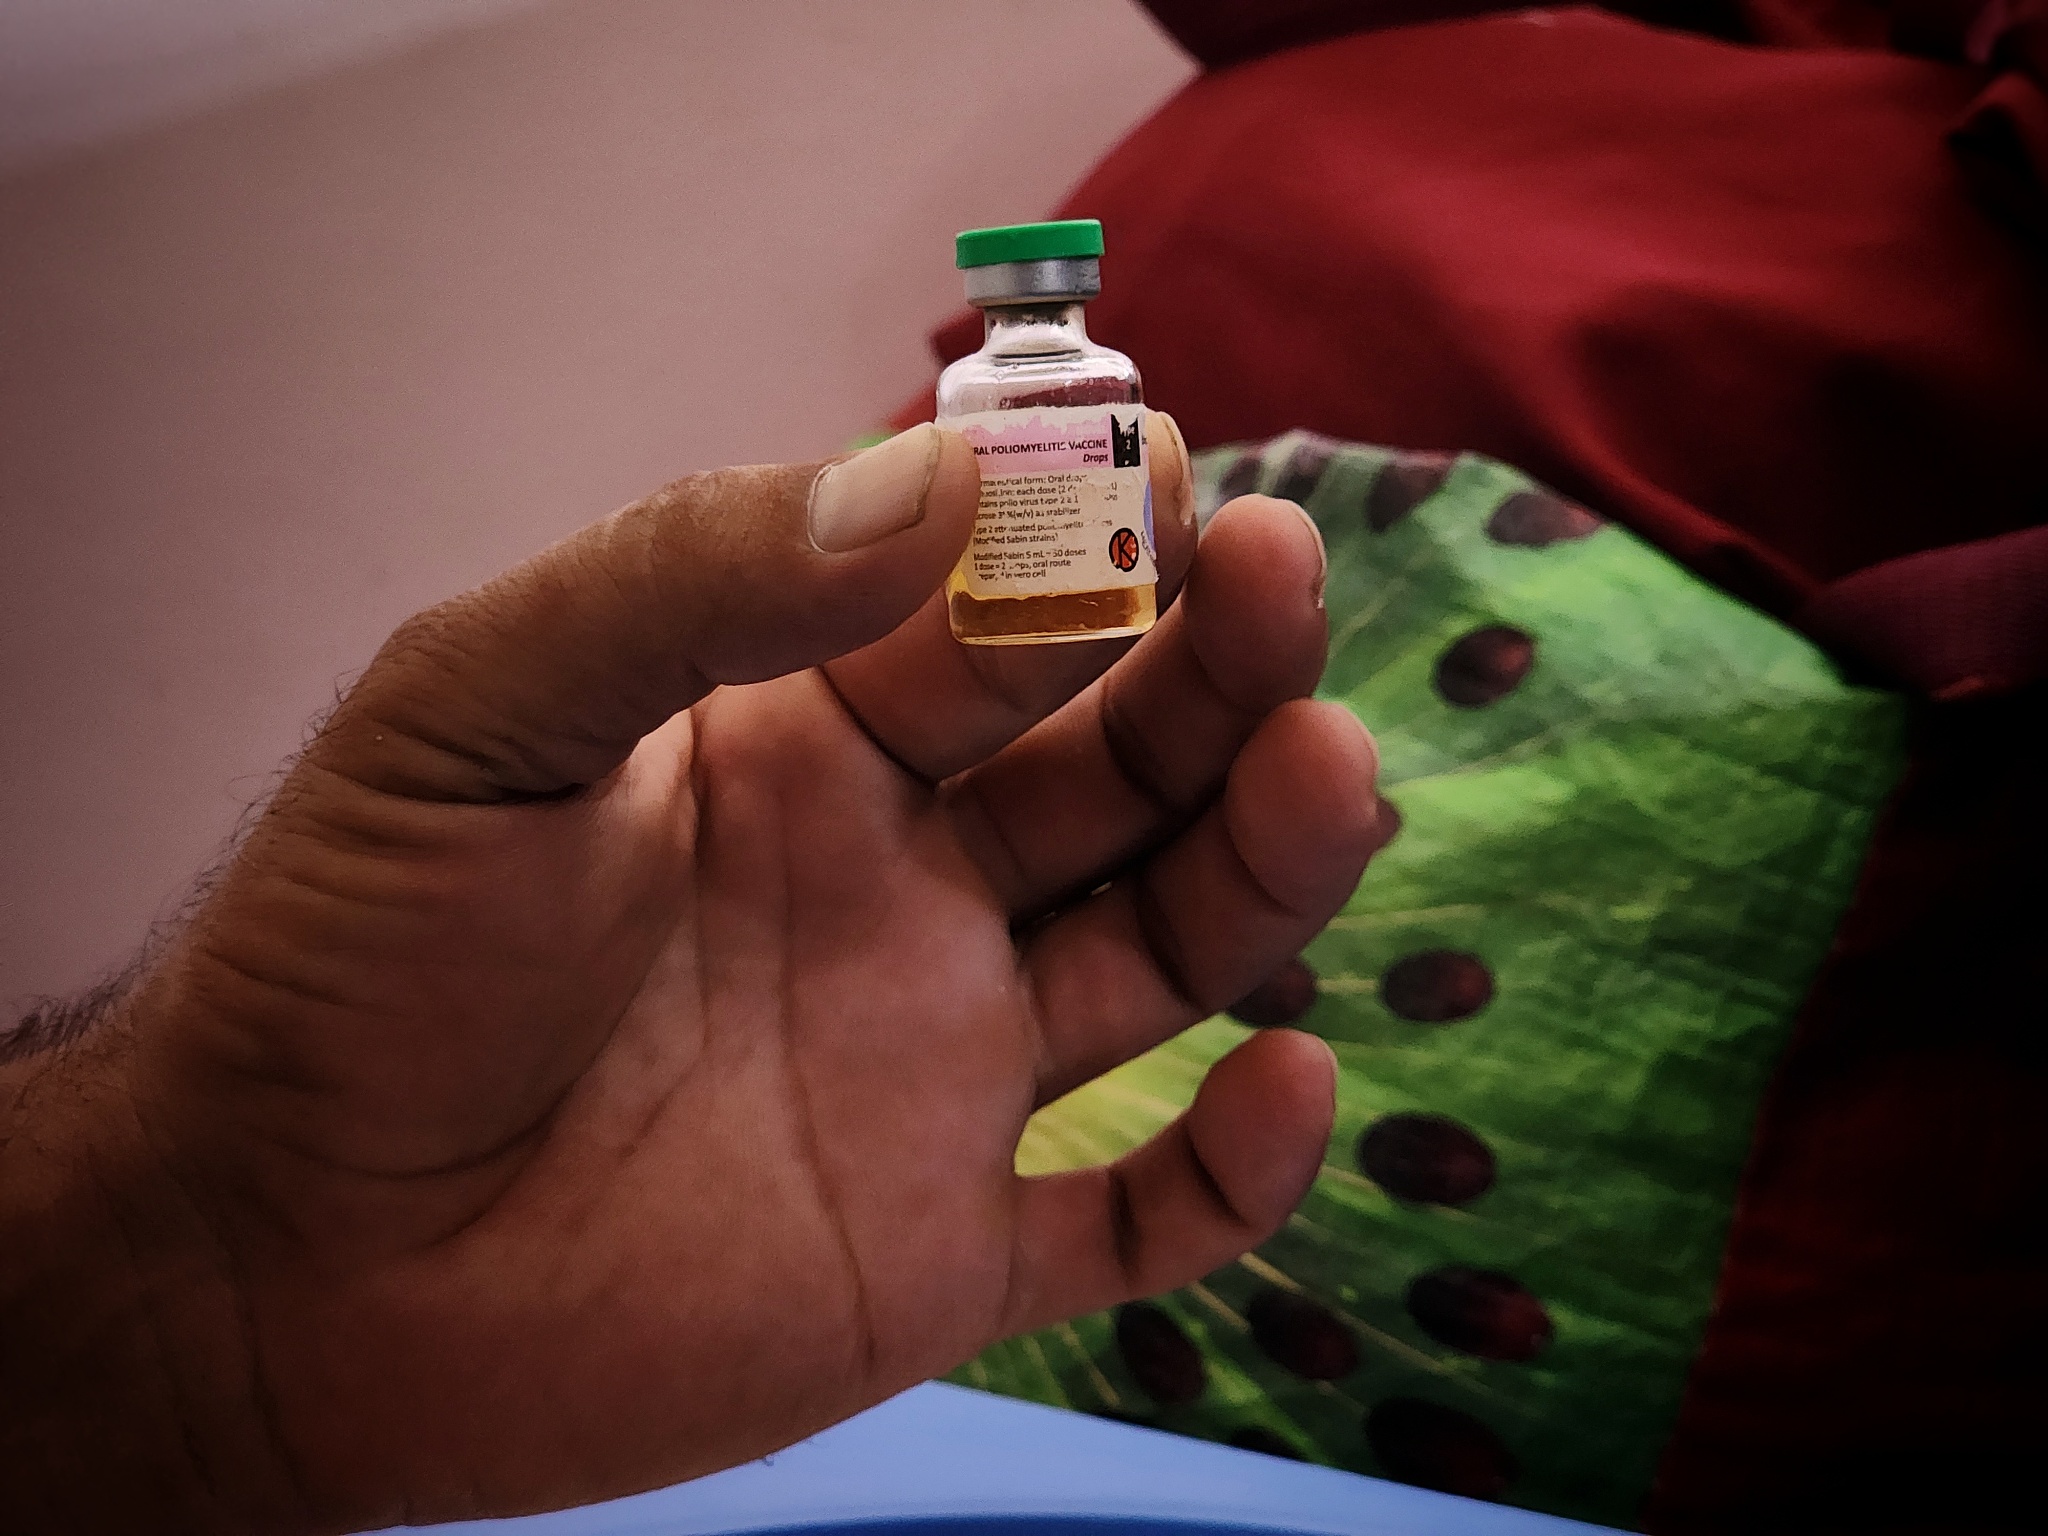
2003, 140
1220, 33
2002, 146
1738, 297
1965, 621
1750, 301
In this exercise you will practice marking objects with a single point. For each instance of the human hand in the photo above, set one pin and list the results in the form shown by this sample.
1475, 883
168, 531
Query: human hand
604, 1059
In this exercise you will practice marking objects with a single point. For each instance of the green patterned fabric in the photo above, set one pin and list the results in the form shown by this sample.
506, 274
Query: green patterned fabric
1632, 812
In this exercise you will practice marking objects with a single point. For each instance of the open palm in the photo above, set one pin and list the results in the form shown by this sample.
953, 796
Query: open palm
605, 1060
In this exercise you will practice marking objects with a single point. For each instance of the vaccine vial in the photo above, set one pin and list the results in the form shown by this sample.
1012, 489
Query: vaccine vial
1062, 546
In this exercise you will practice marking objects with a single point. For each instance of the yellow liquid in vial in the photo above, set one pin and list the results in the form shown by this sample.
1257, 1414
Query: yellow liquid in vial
1049, 616
1037, 356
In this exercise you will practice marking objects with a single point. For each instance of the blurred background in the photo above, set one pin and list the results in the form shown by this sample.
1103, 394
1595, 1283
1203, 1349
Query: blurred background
313, 312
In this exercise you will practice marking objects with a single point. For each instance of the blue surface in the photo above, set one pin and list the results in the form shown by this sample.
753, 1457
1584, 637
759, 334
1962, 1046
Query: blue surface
944, 1461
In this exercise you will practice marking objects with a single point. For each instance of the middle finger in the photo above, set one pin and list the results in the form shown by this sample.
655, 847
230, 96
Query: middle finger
1150, 744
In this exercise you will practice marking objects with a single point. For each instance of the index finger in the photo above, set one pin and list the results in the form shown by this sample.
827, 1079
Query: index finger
937, 706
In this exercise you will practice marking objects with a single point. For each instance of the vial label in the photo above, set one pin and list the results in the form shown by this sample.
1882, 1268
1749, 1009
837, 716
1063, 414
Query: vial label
1066, 501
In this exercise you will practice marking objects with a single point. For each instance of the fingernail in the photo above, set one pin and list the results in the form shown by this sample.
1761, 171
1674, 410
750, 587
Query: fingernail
1186, 511
1322, 554
877, 492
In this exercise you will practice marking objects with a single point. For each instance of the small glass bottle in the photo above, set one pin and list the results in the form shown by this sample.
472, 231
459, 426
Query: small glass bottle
1062, 546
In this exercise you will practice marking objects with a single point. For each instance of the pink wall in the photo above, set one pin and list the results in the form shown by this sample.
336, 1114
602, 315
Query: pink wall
272, 379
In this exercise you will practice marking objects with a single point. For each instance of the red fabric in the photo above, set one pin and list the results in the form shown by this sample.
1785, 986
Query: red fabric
1224, 32
1816, 23
1738, 298
1962, 622
2002, 146
1220, 33
1742, 299
2003, 140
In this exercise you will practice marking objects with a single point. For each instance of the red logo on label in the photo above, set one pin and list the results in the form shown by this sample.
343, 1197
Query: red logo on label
1123, 550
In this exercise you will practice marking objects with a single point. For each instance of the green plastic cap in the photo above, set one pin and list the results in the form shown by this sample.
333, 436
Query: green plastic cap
1063, 238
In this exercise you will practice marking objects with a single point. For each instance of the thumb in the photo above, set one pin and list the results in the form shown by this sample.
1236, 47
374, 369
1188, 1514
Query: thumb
544, 678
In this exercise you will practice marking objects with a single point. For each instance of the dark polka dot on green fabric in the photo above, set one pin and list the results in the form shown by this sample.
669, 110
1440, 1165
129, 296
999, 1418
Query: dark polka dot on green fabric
1484, 666
1436, 1446
1480, 1312
1161, 1359
1436, 986
1282, 998
1257, 1437
1241, 479
1536, 518
1303, 471
1403, 484
1303, 1335
1426, 1159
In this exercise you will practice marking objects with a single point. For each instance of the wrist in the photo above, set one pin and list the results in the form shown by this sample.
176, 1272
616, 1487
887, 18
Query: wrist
134, 1398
